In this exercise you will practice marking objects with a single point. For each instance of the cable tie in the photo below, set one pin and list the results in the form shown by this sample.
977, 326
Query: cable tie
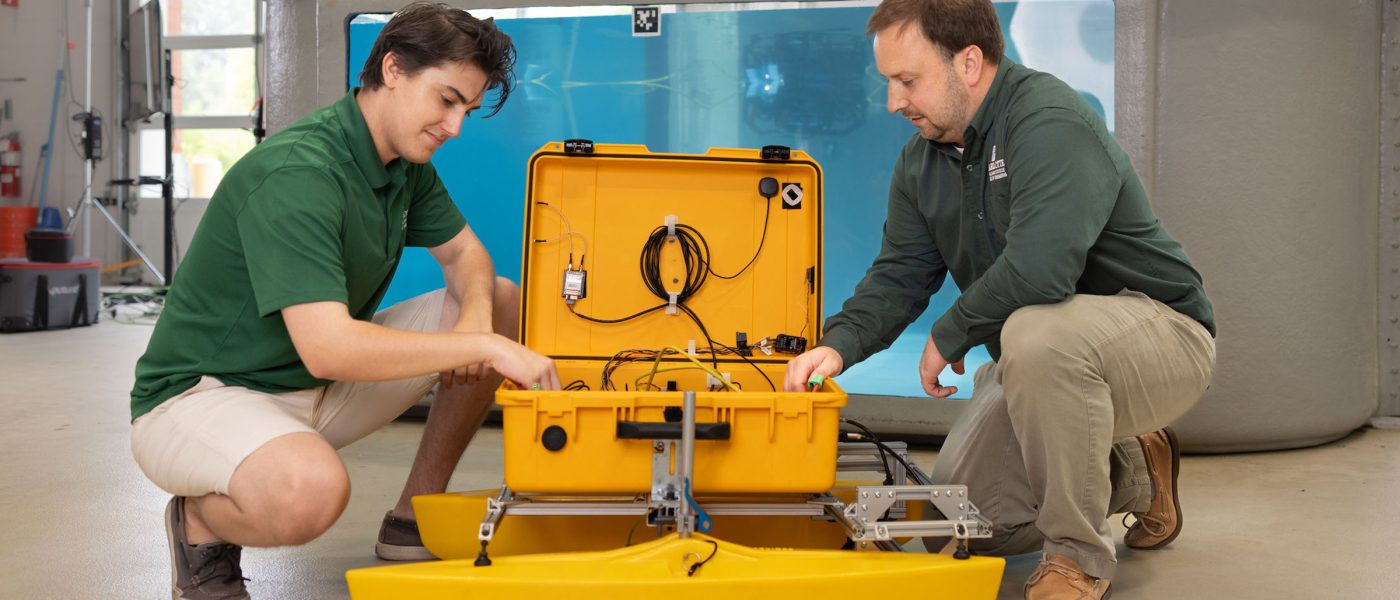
671, 308
671, 221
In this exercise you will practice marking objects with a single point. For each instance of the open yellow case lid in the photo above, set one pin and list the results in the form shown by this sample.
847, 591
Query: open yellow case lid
613, 197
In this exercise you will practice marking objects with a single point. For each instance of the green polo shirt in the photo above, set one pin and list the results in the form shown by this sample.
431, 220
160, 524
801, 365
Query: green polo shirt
1041, 204
309, 215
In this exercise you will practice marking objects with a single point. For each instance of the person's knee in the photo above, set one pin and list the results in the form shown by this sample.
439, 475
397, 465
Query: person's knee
307, 501
291, 489
1028, 333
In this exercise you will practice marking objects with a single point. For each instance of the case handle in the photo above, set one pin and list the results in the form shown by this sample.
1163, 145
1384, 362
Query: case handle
636, 430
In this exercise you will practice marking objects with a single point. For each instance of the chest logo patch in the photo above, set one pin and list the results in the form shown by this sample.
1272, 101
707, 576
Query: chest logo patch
996, 169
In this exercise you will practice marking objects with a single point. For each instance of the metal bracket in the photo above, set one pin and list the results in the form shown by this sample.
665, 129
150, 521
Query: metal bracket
862, 518
495, 510
666, 486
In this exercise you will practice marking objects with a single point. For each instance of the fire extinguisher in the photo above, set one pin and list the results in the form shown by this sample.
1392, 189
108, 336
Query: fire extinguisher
9, 167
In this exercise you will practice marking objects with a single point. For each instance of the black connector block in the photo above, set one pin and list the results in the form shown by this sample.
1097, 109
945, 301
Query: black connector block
790, 344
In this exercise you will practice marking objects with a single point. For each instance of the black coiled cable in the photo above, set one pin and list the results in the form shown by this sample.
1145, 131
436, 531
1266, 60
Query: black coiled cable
695, 253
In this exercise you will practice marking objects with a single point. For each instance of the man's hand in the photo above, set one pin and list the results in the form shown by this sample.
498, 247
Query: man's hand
931, 366
818, 361
527, 368
470, 374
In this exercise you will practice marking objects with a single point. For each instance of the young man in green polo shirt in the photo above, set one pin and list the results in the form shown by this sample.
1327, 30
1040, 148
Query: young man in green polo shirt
270, 354
1098, 325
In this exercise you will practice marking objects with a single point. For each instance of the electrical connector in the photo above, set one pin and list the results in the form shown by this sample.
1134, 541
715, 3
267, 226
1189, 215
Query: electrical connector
575, 285
790, 344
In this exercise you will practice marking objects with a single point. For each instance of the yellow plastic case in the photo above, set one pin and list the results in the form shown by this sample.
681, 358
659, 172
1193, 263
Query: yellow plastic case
614, 197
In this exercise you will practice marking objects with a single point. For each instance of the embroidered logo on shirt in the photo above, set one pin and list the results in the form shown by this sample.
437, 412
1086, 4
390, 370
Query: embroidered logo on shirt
405, 220
996, 169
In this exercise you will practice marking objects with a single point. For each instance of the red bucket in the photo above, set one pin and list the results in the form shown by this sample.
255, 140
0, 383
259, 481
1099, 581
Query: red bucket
14, 222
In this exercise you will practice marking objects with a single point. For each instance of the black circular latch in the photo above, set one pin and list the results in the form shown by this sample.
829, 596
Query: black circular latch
554, 438
673, 414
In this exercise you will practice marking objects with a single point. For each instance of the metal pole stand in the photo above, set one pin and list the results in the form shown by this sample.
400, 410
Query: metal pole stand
88, 202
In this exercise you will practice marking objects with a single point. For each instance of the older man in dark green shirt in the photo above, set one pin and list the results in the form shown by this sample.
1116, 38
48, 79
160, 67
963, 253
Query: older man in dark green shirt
1099, 327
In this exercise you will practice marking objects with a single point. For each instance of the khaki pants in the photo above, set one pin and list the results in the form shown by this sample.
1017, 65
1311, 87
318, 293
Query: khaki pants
191, 444
1036, 445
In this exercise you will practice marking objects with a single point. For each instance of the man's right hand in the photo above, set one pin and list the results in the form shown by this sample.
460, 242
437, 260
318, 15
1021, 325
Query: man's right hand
523, 366
821, 360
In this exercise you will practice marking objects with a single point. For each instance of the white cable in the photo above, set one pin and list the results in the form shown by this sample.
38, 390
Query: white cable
568, 232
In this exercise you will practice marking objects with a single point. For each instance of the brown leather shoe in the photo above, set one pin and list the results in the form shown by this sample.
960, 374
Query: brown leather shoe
1162, 522
1059, 577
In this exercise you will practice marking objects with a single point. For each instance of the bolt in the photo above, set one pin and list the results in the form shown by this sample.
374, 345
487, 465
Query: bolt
962, 494
865, 494
877, 493
865, 507
660, 446
962, 506
935, 493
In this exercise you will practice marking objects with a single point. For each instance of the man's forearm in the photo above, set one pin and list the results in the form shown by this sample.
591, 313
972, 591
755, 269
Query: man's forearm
362, 351
471, 281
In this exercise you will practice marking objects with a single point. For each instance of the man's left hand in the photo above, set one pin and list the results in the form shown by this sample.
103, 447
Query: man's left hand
931, 366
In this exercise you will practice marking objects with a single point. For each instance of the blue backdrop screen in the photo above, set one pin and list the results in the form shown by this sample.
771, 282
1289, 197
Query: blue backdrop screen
799, 77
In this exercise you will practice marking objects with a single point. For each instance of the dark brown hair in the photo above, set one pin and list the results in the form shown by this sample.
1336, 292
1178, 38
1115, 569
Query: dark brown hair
424, 35
950, 24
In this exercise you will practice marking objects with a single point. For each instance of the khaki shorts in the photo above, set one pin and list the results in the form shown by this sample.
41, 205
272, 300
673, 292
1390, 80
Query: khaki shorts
191, 443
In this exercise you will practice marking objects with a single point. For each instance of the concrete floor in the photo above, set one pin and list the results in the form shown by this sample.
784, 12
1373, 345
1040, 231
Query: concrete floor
82, 522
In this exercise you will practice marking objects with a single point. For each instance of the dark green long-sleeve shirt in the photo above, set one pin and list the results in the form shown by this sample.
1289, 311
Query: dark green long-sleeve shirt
1041, 204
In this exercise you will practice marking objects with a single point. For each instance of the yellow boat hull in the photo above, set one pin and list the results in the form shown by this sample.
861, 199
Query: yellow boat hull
661, 568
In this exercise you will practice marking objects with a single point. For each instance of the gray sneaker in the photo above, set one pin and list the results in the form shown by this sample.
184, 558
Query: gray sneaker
399, 540
203, 572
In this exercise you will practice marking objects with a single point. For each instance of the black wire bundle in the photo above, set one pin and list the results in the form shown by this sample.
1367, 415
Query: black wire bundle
884, 449
695, 254
636, 355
